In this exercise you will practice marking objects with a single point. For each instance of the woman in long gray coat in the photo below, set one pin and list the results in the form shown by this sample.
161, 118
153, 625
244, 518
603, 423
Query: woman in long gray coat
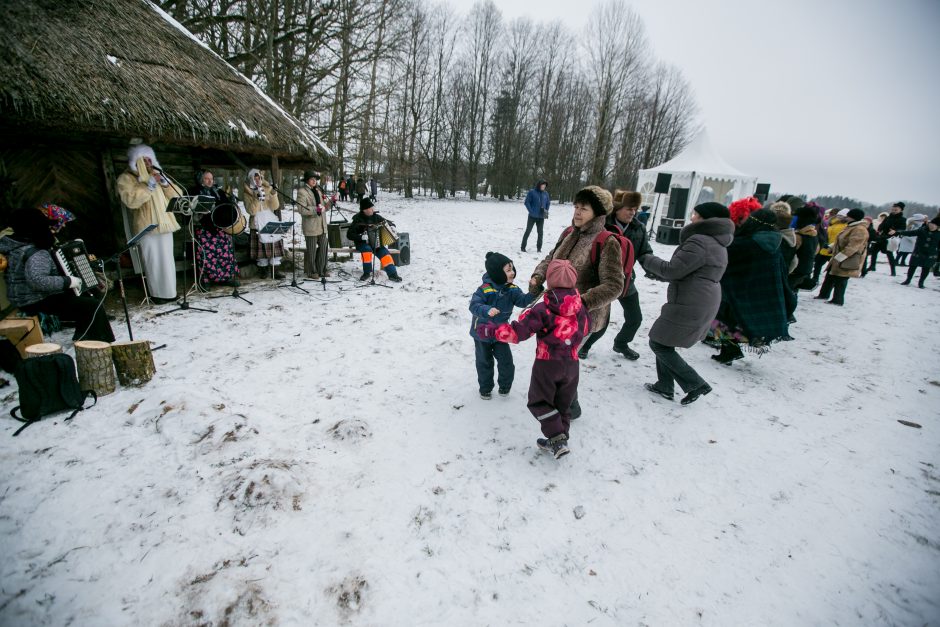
692, 300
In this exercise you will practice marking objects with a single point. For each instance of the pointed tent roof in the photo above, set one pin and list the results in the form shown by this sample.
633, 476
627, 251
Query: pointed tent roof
700, 157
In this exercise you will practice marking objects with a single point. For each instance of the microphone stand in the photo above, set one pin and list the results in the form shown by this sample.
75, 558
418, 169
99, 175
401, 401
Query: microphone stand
293, 283
184, 303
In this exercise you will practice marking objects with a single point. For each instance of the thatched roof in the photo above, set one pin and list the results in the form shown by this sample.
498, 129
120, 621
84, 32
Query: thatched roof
125, 68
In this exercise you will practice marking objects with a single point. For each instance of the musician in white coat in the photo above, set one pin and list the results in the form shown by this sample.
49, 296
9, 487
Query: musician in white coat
36, 284
146, 193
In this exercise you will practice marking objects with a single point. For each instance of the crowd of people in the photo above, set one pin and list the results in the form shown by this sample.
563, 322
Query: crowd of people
733, 282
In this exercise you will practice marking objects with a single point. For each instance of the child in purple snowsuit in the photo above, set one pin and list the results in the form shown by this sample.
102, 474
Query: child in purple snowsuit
559, 323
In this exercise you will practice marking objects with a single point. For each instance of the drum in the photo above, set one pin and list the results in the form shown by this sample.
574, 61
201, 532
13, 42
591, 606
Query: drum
388, 234
229, 219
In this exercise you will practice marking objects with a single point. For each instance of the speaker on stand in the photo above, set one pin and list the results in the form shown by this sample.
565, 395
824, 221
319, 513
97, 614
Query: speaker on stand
762, 191
663, 179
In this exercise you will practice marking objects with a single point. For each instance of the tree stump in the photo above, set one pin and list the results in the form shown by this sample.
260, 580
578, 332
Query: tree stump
95, 369
133, 362
46, 348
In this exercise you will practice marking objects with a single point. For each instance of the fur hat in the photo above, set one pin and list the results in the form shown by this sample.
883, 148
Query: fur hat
856, 214
599, 198
140, 151
624, 198
365, 203
806, 216
712, 210
495, 262
795, 202
784, 216
560, 274
741, 208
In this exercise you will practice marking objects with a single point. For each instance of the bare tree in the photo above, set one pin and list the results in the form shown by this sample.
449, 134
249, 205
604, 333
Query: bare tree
617, 51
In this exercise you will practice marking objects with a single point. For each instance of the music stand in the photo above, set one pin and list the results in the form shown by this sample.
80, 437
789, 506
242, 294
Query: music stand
190, 206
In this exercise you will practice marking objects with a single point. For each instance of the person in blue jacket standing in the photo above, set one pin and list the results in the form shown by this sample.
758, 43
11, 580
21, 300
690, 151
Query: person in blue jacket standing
493, 302
537, 202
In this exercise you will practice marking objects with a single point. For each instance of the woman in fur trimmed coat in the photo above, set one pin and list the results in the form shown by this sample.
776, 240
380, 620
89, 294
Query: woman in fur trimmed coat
599, 284
848, 257
692, 299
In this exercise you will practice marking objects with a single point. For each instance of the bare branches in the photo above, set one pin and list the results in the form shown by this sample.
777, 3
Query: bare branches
432, 100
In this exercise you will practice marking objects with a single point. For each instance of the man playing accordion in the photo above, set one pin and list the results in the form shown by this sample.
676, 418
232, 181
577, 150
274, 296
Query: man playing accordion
364, 233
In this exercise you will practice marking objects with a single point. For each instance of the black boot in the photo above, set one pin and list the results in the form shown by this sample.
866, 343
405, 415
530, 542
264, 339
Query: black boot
730, 351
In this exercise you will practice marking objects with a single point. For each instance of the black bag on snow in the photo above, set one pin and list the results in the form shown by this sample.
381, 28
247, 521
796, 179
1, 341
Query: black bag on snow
48, 385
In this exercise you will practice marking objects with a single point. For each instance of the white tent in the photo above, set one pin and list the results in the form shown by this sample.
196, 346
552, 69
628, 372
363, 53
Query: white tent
699, 168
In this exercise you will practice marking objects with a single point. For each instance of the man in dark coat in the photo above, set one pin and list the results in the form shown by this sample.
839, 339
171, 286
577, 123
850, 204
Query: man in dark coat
692, 300
359, 230
537, 202
925, 250
894, 222
623, 217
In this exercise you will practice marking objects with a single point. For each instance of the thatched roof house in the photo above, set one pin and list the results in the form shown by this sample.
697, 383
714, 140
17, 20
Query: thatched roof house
83, 77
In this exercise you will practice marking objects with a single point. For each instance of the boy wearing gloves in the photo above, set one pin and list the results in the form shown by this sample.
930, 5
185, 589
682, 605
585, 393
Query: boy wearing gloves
493, 302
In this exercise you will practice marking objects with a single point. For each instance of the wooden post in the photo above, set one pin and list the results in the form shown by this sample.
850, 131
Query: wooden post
46, 348
95, 370
133, 362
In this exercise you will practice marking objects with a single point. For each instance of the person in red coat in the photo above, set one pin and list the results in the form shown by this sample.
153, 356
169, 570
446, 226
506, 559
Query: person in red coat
559, 323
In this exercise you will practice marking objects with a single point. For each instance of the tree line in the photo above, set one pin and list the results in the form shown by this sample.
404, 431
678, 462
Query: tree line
432, 101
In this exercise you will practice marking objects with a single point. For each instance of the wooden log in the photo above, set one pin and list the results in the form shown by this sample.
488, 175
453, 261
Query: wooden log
95, 368
46, 348
133, 362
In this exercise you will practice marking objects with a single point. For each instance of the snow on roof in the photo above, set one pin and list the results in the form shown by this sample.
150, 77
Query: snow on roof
305, 133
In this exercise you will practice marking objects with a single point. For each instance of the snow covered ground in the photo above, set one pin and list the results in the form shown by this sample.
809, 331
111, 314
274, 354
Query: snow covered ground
326, 460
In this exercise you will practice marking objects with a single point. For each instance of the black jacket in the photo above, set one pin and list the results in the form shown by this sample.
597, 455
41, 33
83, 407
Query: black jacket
361, 222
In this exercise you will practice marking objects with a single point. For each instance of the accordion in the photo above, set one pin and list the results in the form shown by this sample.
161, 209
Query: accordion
72, 259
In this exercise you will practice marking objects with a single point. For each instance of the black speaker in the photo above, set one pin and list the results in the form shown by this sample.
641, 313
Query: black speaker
668, 235
662, 183
403, 256
678, 201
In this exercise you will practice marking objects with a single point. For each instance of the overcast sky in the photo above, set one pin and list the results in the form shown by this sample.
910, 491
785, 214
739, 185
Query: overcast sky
815, 96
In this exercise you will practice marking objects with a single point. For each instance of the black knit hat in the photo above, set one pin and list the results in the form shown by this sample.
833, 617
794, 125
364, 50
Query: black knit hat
856, 214
712, 210
494, 267
365, 203
936, 220
899, 204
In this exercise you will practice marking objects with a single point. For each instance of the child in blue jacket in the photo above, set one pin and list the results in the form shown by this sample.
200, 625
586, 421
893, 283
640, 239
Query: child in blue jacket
493, 302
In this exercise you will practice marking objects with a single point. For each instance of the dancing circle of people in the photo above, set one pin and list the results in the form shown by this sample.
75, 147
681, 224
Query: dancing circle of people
734, 279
